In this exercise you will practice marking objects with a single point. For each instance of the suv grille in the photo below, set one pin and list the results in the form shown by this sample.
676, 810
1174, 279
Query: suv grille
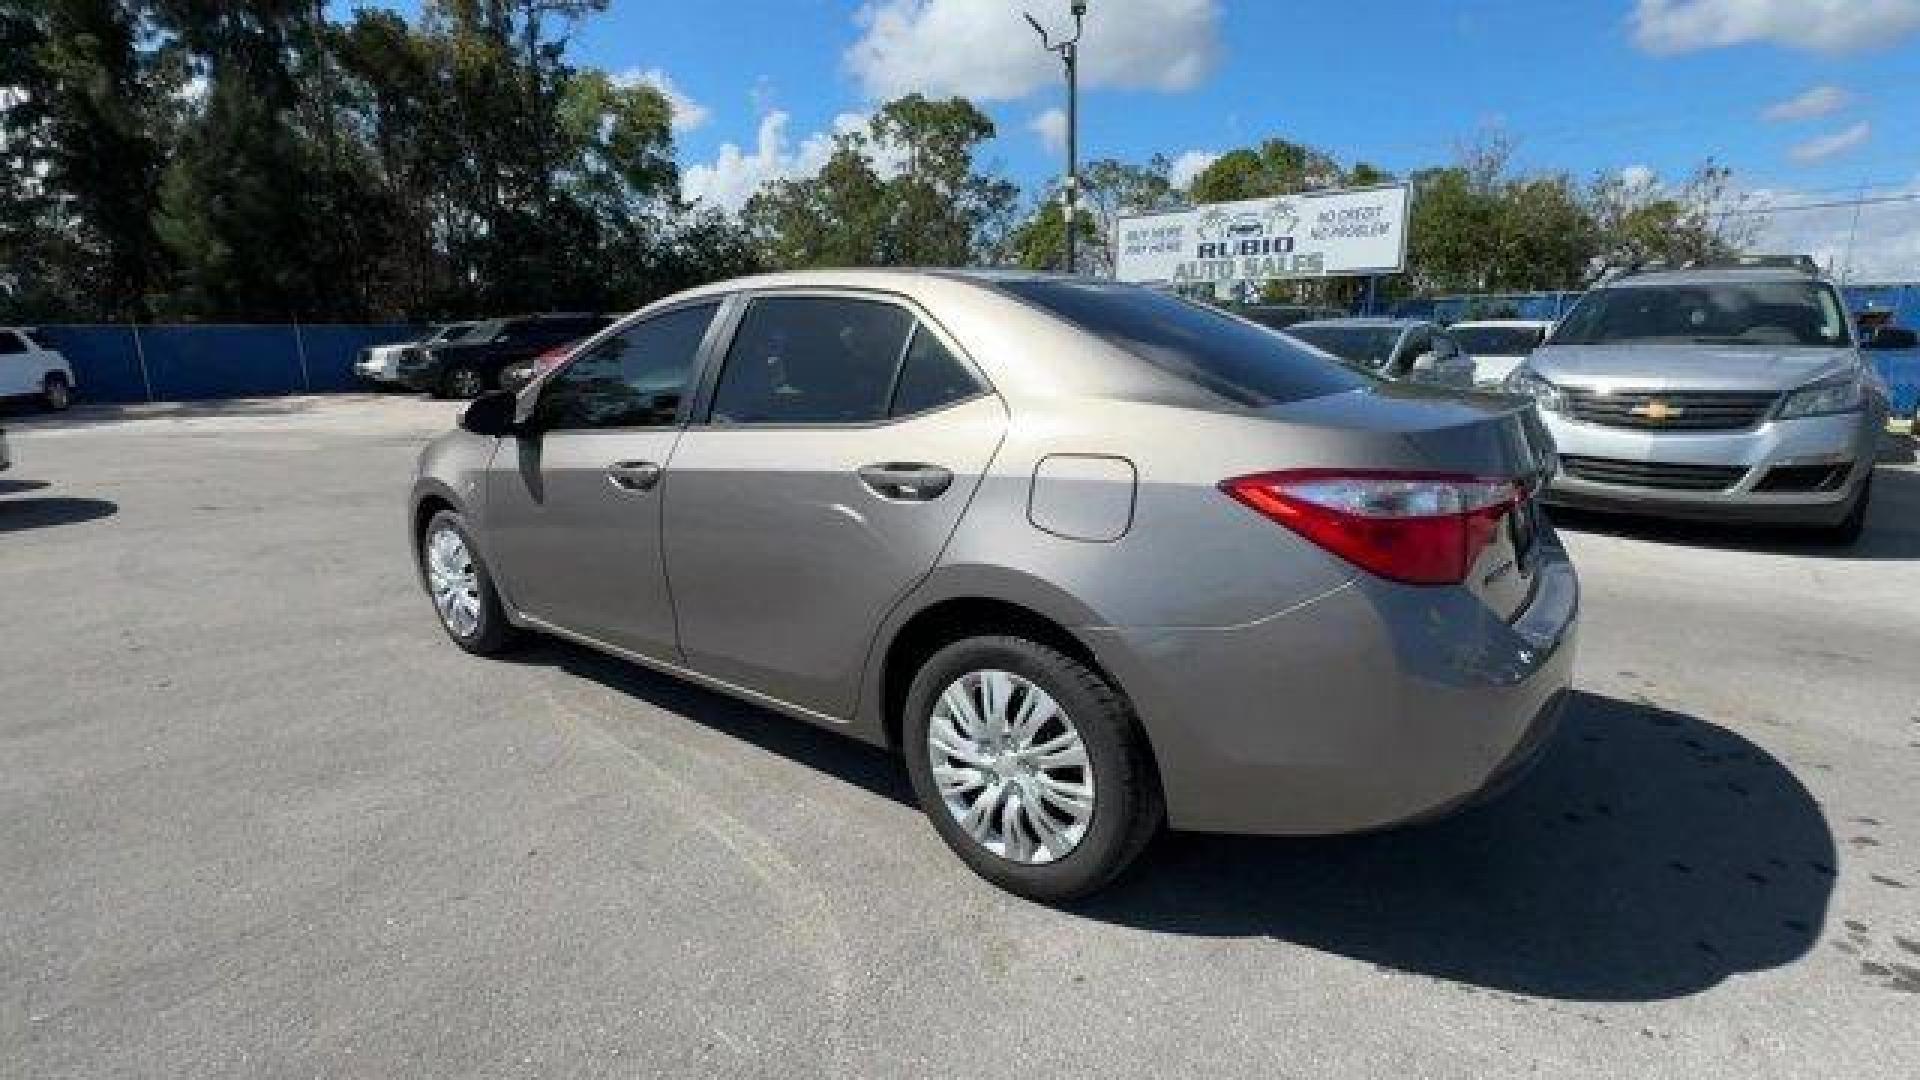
1676, 410
1653, 474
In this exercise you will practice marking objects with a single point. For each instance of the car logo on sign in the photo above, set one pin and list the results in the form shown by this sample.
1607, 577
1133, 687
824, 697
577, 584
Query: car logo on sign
1657, 411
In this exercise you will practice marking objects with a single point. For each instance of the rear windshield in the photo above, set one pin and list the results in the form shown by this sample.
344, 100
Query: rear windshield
452, 333
1746, 313
1497, 340
1367, 346
1212, 350
39, 338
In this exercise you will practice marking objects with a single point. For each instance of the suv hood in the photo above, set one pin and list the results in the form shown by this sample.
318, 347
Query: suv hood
1689, 367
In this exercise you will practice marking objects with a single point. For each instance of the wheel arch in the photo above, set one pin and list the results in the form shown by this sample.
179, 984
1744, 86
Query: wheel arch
968, 602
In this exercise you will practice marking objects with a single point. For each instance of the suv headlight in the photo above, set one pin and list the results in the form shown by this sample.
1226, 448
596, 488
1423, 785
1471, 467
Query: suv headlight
1825, 398
1524, 381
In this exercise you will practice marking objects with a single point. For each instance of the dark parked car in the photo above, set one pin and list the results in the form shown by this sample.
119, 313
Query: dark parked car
472, 365
1281, 316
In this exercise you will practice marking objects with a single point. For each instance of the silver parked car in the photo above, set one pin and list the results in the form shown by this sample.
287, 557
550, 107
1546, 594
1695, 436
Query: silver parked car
1094, 558
1406, 349
1733, 393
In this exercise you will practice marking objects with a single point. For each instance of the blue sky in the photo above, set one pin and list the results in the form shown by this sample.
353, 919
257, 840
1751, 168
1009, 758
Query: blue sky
1578, 85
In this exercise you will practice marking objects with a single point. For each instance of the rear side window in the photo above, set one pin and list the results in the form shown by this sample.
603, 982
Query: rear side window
10, 343
931, 377
812, 360
1242, 363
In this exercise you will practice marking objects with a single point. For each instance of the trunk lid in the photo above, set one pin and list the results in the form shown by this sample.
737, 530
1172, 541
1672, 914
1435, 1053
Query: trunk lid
1410, 428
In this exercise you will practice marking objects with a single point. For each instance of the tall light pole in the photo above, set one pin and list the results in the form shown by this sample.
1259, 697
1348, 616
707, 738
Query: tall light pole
1069, 51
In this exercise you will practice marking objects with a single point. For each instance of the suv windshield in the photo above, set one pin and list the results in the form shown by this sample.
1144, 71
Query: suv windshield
1497, 340
1238, 361
1367, 346
1803, 314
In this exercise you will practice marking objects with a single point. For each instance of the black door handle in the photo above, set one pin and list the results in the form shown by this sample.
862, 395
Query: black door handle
907, 481
634, 475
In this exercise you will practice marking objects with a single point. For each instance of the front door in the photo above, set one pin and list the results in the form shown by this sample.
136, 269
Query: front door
573, 508
845, 438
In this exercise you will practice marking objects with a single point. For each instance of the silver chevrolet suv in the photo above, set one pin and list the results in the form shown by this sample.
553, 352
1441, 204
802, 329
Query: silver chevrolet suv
1731, 392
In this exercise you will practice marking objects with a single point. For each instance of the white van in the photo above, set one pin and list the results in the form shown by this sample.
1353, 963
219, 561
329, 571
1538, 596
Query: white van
29, 367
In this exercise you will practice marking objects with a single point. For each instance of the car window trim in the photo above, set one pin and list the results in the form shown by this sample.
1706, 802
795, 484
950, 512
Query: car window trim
703, 408
529, 404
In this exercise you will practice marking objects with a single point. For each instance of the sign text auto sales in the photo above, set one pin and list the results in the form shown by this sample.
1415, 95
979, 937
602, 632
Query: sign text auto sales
1318, 234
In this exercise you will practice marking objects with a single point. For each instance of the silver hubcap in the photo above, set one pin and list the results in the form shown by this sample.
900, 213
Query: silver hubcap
454, 581
1011, 767
57, 394
466, 383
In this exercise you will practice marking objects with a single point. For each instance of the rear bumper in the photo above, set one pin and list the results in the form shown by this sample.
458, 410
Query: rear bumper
1850, 440
1370, 706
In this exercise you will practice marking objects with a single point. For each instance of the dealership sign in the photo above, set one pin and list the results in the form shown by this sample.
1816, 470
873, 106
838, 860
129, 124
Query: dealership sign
1315, 234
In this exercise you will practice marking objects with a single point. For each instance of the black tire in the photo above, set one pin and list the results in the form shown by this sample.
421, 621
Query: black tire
463, 382
492, 633
1128, 807
1850, 528
56, 393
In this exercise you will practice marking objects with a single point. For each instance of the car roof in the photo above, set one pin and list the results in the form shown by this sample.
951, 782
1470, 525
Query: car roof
1527, 324
1708, 275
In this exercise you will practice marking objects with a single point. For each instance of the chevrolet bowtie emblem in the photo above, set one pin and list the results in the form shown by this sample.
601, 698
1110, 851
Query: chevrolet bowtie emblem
1656, 410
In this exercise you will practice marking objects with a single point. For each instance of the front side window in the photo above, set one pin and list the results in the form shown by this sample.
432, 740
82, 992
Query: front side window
1790, 314
637, 378
812, 360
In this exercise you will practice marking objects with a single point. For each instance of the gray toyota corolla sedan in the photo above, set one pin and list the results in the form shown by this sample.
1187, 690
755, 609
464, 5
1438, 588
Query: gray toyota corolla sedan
1095, 559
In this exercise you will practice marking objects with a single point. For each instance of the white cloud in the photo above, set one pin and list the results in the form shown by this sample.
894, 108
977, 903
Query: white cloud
984, 50
1639, 178
1827, 146
1833, 26
734, 174
1051, 126
1885, 245
1190, 165
1817, 102
688, 114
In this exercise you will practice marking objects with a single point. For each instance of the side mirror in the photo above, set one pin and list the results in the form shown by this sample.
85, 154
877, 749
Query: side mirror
1893, 337
491, 414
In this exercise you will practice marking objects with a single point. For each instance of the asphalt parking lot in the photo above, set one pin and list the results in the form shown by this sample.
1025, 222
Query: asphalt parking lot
261, 819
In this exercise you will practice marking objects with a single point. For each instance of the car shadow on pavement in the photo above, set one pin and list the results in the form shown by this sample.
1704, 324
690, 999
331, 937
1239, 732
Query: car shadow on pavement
868, 767
14, 487
1650, 855
1893, 527
19, 515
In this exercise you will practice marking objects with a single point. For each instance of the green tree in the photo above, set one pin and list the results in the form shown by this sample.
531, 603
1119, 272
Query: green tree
933, 206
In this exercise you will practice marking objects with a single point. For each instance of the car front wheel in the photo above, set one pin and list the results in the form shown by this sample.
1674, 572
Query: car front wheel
462, 590
1030, 765
56, 393
463, 382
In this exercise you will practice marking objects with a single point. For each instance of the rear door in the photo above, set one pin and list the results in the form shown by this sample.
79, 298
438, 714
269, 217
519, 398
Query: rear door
844, 437
573, 509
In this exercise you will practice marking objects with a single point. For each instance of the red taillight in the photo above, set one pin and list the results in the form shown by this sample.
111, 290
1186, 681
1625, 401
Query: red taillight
1418, 528
551, 359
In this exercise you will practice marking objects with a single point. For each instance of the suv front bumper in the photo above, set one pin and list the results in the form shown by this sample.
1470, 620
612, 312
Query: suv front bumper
1829, 458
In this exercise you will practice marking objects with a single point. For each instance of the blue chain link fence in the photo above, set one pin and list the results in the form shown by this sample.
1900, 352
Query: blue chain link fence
186, 363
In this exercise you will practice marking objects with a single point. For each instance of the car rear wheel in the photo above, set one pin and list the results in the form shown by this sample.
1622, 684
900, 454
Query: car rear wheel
1031, 766
462, 590
55, 393
463, 382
